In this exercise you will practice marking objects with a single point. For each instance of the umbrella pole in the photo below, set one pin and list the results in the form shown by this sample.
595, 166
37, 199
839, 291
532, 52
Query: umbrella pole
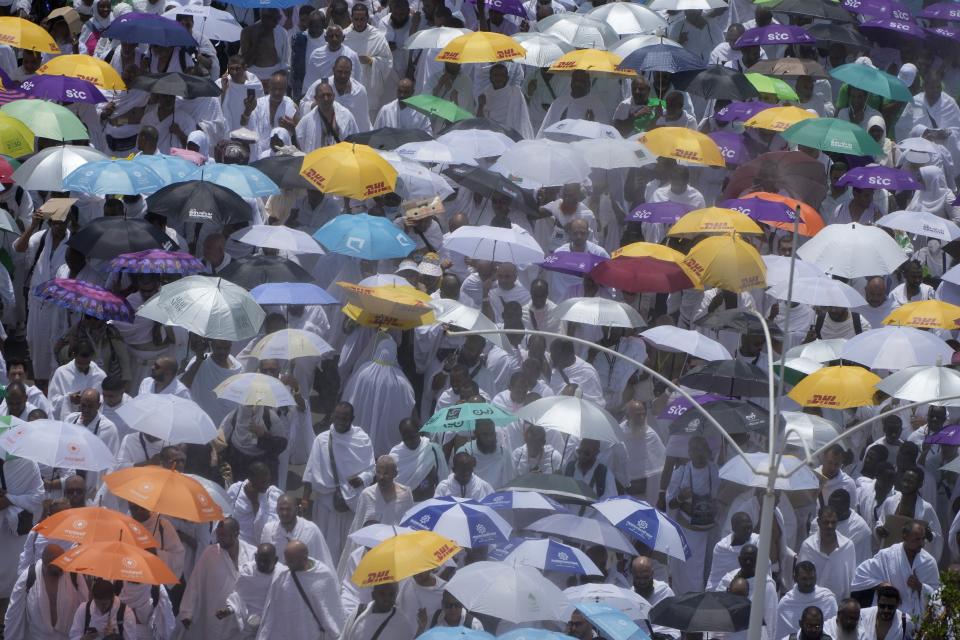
786, 313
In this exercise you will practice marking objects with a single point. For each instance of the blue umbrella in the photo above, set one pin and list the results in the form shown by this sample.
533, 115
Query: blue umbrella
364, 236
244, 181
454, 633
533, 634
113, 177
170, 168
466, 522
147, 28
613, 624
661, 57
291, 293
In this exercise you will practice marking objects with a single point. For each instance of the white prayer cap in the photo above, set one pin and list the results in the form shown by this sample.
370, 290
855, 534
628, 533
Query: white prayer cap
407, 265
908, 73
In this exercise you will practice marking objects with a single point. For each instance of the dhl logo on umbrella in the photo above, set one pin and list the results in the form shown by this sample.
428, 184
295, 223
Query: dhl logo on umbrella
378, 577
718, 226
694, 266
376, 189
509, 54
684, 154
823, 400
314, 176
780, 125
444, 552
448, 56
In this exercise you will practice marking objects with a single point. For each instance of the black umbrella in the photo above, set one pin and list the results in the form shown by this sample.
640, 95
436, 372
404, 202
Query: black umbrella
794, 172
735, 416
106, 238
729, 377
703, 612
176, 84
813, 8
284, 170
845, 34
560, 487
199, 201
252, 271
736, 320
719, 83
490, 183
484, 123
389, 138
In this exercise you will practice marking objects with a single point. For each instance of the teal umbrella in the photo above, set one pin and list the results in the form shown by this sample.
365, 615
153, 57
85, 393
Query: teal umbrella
873, 81
438, 107
833, 135
463, 417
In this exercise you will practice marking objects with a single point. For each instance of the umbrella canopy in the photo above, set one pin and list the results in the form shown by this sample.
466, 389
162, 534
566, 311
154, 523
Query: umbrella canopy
793, 172
625, 601
644, 275
466, 522
818, 350
875, 176
836, 388
574, 263
579, 30
483, 124
84, 67
364, 236
278, 237
790, 67
490, 184
629, 44
921, 223
608, 154
542, 163
820, 291
403, 556
572, 129
583, 529
45, 170
778, 269
172, 419
116, 561
670, 338
207, 21
293, 293
729, 377
949, 435
641, 521
773, 34
350, 170
550, 555
476, 143
845, 34
434, 38
629, 19
16, 138
923, 384
86, 525
156, 261
23, 34
481, 46
664, 58
388, 138
740, 111
85, 298
772, 86
255, 390
760, 209
727, 262
386, 306
170, 168
779, 118
739, 472
941, 11
210, 307
805, 429
721, 83
926, 314
416, 182
373, 534
810, 221
456, 633
793, 370
713, 220
598, 312
456, 314
853, 250
510, 592
732, 145
614, 624
656, 213
592, 60
164, 491
703, 612
283, 171
573, 416
57, 444
176, 84
199, 201
246, 182
113, 177
495, 244
148, 28
462, 418
521, 500
542, 49
895, 348
437, 107
735, 417
563, 488
47, 119
833, 135
684, 145
288, 344
433, 152
872, 80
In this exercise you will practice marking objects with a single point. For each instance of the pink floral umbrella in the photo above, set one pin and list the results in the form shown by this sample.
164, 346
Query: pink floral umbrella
156, 261
86, 298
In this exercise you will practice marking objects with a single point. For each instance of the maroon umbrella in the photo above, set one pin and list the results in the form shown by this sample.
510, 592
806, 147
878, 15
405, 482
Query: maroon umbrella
792, 173
641, 275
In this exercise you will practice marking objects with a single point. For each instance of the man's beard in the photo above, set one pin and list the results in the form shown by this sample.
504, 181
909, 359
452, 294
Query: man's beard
846, 635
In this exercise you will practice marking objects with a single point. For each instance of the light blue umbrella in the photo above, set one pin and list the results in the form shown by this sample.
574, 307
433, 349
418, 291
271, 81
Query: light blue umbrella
613, 624
291, 293
454, 633
113, 177
170, 168
245, 181
364, 236
533, 634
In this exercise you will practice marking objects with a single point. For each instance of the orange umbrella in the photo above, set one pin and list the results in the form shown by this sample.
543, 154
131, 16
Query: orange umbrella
164, 491
95, 524
116, 561
810, 221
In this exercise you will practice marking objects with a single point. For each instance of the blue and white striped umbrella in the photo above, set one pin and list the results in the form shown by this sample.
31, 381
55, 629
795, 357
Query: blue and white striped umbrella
466, 522
641, 521
550, 555
509, 500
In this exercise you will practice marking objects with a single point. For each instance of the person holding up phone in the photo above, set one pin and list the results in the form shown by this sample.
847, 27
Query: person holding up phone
239, 88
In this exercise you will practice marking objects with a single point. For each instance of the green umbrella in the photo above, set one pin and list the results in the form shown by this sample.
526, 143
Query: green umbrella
873, 81
47, 119
463, 417
775, 86
438, 107
833, 135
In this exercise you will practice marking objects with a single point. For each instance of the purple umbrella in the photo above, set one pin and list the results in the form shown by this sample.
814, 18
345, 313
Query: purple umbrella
732, 146
681, 405
572, 263
774, 34
949, 11
148, 28
879, 9
740, 111
156, 261
85, 298
506, 7
876, 177
950, 435
883, 28
62, 89
659, 212
949, 33
760, 210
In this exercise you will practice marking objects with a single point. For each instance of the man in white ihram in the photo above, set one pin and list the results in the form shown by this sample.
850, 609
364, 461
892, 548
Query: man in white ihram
288, 526
44, 600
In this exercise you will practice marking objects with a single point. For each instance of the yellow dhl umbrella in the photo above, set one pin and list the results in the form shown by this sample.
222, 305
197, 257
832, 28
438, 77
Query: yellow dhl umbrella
649, 250
350, 170
592, 60
481, 46
84, 67
927, 314
779, 118
714, 220
836, 388
387, 306
22, 34
683, 144
403, 556
727, 262
16, 139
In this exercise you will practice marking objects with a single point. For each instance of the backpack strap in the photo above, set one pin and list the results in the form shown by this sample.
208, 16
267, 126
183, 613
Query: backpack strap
818, 325
32, 576
121, 610
436, 618
599, 479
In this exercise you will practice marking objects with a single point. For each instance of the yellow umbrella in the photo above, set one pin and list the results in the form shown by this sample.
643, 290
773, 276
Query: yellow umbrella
84, 67
836, 388
649, 250
22, 34
16, 139
727, 262
683, 144
779, 118
592, 60
350, 170
927, 314
714, 220
387, 306
481, 46
403, 556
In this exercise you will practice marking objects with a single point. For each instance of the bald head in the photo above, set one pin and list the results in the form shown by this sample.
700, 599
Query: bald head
163, 372
50, 553
642, 570
296, 556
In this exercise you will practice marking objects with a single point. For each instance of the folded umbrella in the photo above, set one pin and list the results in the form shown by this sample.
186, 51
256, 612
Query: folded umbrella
106, 238
149, 28
176, 84
85, 298
199, 201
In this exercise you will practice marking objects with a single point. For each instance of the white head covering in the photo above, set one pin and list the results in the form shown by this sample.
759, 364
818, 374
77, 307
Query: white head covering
908, 73
935, 193
200, 139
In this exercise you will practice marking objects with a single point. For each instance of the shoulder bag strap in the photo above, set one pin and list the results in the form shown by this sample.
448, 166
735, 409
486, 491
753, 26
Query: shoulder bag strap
333, 462
306, 601
383, 625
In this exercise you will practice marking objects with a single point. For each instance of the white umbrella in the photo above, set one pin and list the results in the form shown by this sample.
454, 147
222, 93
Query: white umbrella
628, 602
210, 307
739, 472
542, 49
255, 390
918, 150
288, 344
579, 30
384, 280
574, 416
550, 555
173, 419
778, 270
613, 154
599, 312
477, 143
217, 492
687, 5
694, 343
923, 384
542, 163
853, 250
433, 151
921, 223
57, 444
434, 38
495, 244
269, 236
207, 21
807, 428
373, 534
628, 45
571, 129
416, 182
806, 366
506, 591
457, 314
46, 170
818, 350
629, 19
821, 291
591, 530
952, 275
952, 466
896, 348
